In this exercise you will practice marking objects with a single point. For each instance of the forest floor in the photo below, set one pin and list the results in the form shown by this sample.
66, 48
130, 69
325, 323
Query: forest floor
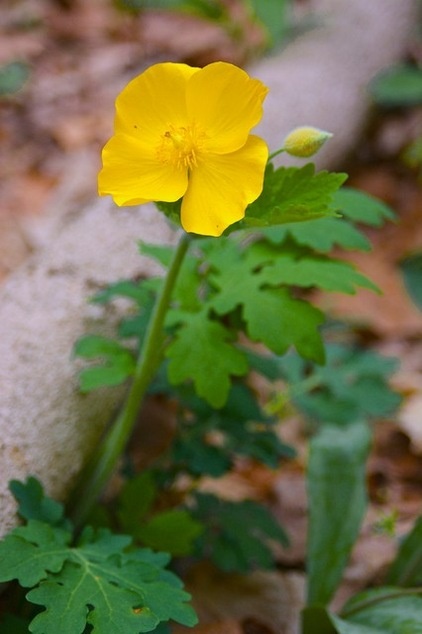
77, 56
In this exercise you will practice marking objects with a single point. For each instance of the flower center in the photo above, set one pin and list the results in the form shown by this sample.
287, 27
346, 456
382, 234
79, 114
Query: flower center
180, 147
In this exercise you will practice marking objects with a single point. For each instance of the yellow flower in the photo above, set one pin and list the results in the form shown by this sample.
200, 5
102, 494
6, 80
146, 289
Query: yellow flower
184, 132
305, 141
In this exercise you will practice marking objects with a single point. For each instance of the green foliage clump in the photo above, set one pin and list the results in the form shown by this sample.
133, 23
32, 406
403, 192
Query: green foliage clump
97, 579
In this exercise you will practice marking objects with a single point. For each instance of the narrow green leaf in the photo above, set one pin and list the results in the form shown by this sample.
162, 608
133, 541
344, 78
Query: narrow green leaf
388, 610
406, 570
337, 502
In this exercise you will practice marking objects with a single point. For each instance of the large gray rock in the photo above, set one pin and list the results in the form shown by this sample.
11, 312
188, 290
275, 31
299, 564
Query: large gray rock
46, 427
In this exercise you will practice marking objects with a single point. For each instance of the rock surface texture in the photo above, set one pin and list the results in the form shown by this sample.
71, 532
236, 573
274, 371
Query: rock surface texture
46, 427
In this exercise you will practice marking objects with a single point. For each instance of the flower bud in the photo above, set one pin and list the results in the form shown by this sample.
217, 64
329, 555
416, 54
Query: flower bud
305, 141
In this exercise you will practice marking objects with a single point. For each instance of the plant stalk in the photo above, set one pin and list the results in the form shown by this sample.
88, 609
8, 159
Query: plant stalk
102, 463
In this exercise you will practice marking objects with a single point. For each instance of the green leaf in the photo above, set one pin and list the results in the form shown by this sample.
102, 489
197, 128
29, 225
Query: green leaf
171, 210
292, 194
279, 321
237, 535
273, 15
195, 455
139, 292
172, 531
268, 312
202, 352
325, 273
322, 235
76, 599
161, 253
352, 385
359, 206
346, 627
336, 504
96, 583
388, 610
411, 269
30, 552
406, 570
241, 427
12, 77
398, 86
119, 362
94, 346
34, 504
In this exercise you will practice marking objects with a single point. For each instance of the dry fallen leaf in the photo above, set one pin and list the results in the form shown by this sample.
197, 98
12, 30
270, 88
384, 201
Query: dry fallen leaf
268, 601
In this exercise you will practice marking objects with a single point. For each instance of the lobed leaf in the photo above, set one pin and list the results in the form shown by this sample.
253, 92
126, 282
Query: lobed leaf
292, 194
352, 385
359, 206
241, 427
33, 504
201, 352
30, 552
99, 582
118, 362
237, 535
271, 315
322, 235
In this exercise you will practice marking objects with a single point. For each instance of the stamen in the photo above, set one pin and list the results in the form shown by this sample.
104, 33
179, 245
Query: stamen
180, 147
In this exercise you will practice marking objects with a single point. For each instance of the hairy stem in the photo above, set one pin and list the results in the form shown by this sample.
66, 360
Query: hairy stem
104, 459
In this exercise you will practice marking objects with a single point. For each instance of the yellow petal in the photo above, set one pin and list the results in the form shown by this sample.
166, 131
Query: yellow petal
131, 173
153, 101
226, 103
221, 187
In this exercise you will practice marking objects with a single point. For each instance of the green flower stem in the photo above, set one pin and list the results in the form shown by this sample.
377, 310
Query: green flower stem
276, 153
104, 459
